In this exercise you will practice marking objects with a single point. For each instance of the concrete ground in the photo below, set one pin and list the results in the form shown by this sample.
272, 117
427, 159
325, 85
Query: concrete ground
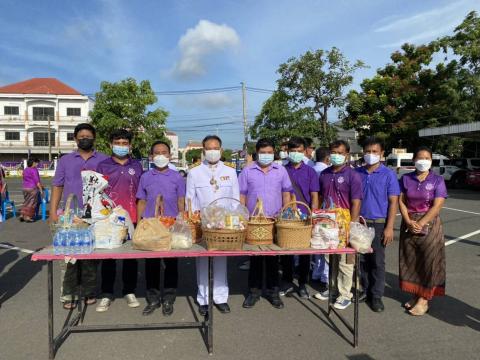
301, 330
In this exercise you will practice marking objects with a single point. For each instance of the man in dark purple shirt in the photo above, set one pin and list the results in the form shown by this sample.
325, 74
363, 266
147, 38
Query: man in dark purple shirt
342, 185
305, 187
123, 174
67, 180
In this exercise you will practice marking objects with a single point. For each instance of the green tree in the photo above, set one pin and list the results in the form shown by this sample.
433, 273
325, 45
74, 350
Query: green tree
126, 104
315, 83
278, 121
193, 153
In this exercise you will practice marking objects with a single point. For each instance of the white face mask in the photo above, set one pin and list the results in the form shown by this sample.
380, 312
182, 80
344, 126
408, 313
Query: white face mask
371, 159
213, 156
160, 161
283, 155
423, 165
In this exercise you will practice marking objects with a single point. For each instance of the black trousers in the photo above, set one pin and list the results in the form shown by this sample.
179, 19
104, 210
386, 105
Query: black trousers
255, 274
129, 276
372, 266
170, 280
303, 268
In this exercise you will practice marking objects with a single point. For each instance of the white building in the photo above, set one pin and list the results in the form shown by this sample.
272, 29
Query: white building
30, 110
174, 144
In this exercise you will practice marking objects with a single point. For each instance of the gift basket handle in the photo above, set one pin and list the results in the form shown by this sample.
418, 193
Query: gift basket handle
159, 205
223, 198
189, 208
295, 204
259, 210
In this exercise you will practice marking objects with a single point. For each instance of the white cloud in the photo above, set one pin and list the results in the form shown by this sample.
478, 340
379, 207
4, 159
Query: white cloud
205, 101
197, 43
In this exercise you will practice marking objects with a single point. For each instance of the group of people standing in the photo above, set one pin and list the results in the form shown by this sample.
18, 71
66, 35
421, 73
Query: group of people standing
371, 191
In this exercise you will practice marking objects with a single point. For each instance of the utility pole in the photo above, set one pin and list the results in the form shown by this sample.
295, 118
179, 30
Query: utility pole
49, 140
245, 124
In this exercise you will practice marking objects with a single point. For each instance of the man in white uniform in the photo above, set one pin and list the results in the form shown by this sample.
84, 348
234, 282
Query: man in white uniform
211, 180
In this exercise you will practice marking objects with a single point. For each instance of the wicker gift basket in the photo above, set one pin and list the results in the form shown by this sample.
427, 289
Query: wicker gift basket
294, 232
261, 229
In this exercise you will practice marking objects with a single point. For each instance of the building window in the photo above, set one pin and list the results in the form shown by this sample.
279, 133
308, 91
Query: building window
43, 113
41, 139
70, 137
12, 135
10, 110
73, 112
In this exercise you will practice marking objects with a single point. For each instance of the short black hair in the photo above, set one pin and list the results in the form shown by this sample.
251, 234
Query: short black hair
296, 142
84, 126
211, 137
337, 143
121, 134
159, 142
422, 148
308, 142
322, 153
372, 140
30, 161
264, 142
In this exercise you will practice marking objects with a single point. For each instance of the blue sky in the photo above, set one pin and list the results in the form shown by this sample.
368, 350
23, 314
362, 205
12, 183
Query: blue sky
194, 44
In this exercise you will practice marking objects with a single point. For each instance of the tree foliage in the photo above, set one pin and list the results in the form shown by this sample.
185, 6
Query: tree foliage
126, 104
415, 92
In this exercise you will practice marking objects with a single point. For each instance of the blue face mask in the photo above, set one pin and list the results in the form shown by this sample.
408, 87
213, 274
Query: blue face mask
120, 151
337, 159
265, 159
295, 157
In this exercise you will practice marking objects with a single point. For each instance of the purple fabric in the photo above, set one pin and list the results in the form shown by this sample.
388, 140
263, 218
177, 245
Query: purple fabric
306, 179
170, 184
254, 183
377, 187
419, 196
123, 183
31, 178
342, 187
68, 172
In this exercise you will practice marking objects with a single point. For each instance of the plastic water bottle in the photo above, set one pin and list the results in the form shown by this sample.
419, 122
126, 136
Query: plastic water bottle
57, 244
63, 242
71, 243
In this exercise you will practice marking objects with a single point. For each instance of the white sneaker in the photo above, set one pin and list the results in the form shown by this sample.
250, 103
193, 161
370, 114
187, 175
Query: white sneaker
131, 300
323, 295
104, 305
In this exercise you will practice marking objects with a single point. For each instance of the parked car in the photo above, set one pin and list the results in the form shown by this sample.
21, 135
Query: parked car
473, 178
455, 170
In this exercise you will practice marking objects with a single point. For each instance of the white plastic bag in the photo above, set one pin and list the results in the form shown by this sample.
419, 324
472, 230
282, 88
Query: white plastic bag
111, 232
181, 234
361, 237
324, 237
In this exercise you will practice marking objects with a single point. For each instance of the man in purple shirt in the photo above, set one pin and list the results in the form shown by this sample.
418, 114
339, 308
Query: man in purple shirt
68, 180
123, 174
379, 208
342, 185
305, 187
161, 180
269, 182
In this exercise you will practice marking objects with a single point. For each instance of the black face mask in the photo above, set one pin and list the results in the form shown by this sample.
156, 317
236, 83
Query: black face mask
86, 144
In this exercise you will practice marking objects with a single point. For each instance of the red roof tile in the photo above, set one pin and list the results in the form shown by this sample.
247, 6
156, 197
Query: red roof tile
39, 86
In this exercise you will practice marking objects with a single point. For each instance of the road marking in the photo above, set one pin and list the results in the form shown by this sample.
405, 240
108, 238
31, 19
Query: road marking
466, 236
11, 247
464, 211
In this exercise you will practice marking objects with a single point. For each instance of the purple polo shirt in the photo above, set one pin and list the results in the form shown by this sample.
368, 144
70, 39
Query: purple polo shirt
269, 186
419, 196
68, 171
31, 178
306, 179
377, 187
342, 186
123, 183
170, 184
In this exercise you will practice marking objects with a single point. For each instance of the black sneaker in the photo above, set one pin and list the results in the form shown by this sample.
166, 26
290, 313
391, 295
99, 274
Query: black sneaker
274, 298
376, 304
286, 289
362, 296
303, 292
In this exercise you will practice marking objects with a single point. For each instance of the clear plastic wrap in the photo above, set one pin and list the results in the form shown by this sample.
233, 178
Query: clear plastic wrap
225, 213
361, 237
181, 234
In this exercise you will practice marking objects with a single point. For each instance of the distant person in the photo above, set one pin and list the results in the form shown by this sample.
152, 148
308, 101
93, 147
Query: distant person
422, 243
322, 157
32, 189
3, 188
309, 152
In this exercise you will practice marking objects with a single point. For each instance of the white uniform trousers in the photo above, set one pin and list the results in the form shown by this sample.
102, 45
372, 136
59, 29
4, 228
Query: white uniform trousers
220, 283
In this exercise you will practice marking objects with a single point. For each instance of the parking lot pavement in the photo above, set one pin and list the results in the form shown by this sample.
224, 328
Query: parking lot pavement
301, 330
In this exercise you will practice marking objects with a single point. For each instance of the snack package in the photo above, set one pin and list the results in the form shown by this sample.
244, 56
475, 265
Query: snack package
96, 204
225, 213
181, 234
325, 237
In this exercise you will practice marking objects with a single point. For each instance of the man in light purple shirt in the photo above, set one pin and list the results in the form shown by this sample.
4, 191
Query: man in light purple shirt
269, 182
67, 180
161, 180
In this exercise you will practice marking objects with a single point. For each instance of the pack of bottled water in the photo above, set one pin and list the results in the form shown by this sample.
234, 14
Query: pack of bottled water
73, 242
